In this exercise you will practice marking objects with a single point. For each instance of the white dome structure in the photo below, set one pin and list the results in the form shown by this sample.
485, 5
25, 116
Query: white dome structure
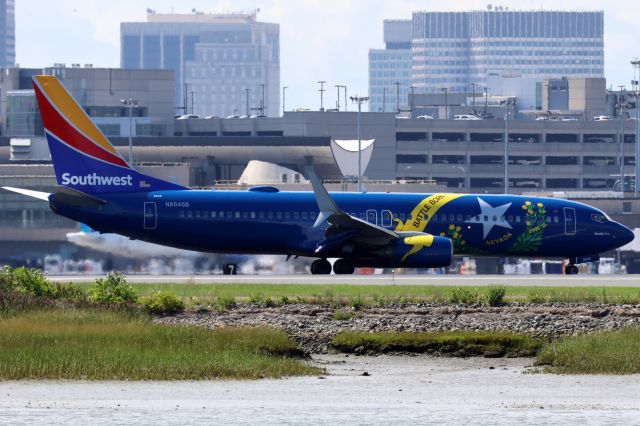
261, 173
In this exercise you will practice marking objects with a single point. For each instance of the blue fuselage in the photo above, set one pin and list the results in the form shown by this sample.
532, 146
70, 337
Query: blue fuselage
262, 222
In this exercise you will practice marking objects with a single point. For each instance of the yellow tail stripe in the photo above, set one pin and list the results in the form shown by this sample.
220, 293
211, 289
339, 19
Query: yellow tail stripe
62, 100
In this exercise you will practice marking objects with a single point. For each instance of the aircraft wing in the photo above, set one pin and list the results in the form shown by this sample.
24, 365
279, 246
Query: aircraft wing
346, 228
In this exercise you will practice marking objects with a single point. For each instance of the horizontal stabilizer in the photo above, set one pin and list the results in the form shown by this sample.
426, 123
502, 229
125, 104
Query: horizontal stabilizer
44, 196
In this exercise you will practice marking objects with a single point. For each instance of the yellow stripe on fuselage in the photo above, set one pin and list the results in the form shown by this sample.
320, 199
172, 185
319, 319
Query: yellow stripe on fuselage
63, 101
424, 211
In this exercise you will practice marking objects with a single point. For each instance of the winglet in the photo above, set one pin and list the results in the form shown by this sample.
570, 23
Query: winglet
326, 204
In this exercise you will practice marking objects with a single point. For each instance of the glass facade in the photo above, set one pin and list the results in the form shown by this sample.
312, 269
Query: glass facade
23, 114
7, 33
131, 51
454, 49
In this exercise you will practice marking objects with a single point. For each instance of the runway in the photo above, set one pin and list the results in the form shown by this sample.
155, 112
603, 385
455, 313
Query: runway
387, 279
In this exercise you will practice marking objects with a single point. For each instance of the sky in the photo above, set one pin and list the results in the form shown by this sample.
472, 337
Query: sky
320, 39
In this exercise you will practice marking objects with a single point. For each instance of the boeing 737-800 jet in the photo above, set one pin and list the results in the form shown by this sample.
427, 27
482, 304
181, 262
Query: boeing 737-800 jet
97, 187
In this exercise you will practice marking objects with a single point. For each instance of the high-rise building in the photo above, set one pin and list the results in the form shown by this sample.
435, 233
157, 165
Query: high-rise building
452, 50
7, 33
390, 68
224, 64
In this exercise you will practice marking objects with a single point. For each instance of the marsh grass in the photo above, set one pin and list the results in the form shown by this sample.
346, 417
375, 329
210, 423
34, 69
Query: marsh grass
607, 352
336, 296
458, 343
103, 345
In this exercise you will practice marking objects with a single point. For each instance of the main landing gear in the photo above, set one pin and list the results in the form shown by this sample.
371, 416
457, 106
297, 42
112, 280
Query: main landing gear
570, 269
340, 267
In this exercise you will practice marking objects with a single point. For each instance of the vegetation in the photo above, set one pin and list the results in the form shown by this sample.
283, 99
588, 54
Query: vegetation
104, 345
495, 296
162, 302
461, 343
338, 295
464, 296
343, 315
607, 352
113, 289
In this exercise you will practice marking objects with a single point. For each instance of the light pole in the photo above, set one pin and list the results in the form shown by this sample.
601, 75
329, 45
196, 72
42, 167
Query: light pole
359, 100
413, 92
337, 86
636, 91
446, 103
397, 97
284, 88
321, 90
262, 107
486, 100
621, 105
507, 103
130, 104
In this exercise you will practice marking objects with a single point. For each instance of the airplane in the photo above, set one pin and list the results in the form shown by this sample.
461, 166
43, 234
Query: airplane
96, 186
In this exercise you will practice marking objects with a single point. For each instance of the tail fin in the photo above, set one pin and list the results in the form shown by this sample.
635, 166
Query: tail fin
83, 158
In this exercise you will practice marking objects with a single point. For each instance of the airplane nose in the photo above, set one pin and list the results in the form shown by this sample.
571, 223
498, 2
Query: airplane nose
623, 234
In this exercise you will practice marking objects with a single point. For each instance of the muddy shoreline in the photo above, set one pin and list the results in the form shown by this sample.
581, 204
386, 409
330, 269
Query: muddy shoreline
313, 326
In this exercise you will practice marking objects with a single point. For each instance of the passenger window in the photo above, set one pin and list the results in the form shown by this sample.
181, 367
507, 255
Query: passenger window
459, 217
517, 219
452, 217
245, 215
287, 215
296, 215
221, 214
189, 214
468, 217
253, 215
486, 218
213, 214
270, 215
443, 218
205, 214
509, 219
198, 213
304, 215
556, 219
386, 218
362, 216
548, 219
312, 215
261, 215
495, 218
237, 215
279, 215
181, 213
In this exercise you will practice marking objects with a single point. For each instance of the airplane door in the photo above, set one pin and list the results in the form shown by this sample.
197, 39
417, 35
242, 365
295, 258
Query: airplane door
150, 215
372, 216
569, 220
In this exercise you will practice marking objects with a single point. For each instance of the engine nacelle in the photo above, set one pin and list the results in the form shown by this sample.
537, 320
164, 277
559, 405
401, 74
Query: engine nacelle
422, 251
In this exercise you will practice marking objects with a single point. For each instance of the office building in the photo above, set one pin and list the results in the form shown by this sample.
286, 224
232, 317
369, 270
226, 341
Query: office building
224, 64
390, 68
7, 33
452, 50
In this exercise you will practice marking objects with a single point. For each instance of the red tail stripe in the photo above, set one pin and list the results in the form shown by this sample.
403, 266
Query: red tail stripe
58, 125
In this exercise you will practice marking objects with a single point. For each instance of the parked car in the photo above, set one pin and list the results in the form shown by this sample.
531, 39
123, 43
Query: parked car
466, 117
187, 117
602, 118
424, 117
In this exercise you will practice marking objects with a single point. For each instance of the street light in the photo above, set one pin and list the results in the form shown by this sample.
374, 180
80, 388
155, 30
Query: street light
337, 86
473, 96
397, 96
321, 90
636, 91
507, 103
342, 86
622, 105
359, 100
246, 91
130, 104
384, 99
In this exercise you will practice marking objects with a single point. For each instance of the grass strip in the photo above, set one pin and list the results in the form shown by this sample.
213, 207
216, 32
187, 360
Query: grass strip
103, 345
607, 352
457, 343
380, 295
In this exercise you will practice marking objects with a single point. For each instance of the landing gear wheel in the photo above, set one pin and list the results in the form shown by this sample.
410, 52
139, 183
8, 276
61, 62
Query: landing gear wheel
570, 270
321, 267
343, 267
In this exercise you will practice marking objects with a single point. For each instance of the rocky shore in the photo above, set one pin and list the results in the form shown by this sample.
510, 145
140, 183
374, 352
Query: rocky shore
313, 326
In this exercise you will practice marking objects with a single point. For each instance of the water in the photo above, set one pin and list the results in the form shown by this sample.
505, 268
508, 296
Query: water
415, 390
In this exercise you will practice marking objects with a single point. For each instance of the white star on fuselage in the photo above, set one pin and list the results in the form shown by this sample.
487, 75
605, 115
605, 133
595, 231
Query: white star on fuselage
490, 216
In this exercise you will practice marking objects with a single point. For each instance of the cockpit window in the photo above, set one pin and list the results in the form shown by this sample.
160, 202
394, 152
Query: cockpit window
599, 217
